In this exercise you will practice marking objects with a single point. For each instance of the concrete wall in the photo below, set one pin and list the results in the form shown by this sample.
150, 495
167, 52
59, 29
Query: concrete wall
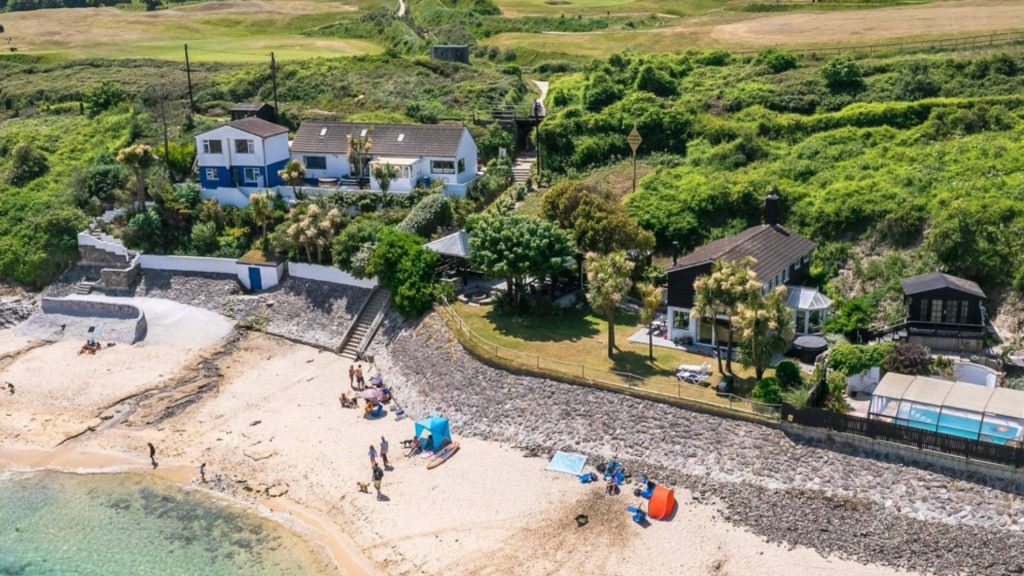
98, 309
270, 275
327, 274
975, 374
898, 452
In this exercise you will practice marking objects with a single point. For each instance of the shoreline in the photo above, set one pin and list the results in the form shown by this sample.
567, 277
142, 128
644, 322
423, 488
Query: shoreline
311, 526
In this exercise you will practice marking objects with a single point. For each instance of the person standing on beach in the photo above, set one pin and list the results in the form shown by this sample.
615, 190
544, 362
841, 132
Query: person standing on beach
202, 472
378, 476
351, 376
359, 376
384, 451
152, 454
373, 456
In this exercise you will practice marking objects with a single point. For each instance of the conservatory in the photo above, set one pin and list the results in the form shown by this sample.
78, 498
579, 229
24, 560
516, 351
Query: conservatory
956, 408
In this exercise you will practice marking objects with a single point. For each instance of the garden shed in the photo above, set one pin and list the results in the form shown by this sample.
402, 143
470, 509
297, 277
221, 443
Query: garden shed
960, 409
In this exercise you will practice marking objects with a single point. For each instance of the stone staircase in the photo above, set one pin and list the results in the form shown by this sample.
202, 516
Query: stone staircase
84, 287
523, 167
365, 324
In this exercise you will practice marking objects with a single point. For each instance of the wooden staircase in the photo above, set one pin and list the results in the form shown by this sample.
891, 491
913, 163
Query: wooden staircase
361, 332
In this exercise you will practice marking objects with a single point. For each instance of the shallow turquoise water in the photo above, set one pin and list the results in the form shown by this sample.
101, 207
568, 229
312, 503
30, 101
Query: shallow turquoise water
100, 524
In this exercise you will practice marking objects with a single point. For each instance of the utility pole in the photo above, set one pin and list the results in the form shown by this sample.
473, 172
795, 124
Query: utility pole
188, 74
634, 141
273, 76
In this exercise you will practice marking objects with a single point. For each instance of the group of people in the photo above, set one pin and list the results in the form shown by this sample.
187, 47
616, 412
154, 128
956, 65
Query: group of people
376, 471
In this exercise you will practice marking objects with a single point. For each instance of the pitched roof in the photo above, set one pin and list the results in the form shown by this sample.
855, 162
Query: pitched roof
456, 245
249, 106
404, 140
937, 280
773, 247
258, 127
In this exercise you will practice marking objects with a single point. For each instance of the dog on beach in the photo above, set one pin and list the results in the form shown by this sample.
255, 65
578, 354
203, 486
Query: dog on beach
364, 487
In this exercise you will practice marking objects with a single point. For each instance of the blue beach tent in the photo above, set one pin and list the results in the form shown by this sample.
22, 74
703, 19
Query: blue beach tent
438, 429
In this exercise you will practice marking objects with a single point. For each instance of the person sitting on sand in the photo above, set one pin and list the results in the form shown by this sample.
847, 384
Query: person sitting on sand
347, 402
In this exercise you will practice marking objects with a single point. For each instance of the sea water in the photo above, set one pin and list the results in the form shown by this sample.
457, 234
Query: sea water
126, 524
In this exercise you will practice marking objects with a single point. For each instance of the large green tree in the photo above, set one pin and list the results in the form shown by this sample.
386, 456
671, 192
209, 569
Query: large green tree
650, 300
765, 327
516, 247
352, 247
608, 283
598, 221
406, 269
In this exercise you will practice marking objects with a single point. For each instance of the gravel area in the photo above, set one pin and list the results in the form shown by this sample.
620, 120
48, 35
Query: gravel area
200, 289
837, 503
15, 310
65, 285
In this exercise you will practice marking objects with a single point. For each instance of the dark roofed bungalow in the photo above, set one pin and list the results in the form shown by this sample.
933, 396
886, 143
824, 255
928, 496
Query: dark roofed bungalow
943, 312
782, 257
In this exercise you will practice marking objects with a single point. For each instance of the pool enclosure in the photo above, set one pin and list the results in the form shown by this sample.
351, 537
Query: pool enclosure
956, 408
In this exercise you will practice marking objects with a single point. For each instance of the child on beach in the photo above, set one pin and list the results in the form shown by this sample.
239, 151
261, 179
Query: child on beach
378, 475
373, 456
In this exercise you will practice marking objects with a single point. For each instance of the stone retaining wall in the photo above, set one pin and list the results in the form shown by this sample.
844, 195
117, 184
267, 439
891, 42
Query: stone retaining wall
92, 256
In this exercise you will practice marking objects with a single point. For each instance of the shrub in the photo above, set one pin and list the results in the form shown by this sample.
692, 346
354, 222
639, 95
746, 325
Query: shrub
204, 238
429, 215
854, 359
767, 390
842, 75
776, 60
103, 97
652, 80
835, 398
406, 269
789, 374
27, 164
908, 359
914, 83
145, 231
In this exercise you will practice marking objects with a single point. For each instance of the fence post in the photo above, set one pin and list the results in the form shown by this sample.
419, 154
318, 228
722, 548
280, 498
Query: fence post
538, 362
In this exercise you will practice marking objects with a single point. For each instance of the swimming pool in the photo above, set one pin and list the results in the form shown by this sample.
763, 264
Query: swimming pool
944, 422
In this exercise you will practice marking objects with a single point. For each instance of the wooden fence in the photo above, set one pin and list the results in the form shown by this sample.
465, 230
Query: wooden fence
896, 47
905, 436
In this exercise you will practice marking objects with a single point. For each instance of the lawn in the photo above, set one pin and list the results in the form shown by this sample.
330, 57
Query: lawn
577, 338
221, 31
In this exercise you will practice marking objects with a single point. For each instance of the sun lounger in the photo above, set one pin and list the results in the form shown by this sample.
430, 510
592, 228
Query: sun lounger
704, 368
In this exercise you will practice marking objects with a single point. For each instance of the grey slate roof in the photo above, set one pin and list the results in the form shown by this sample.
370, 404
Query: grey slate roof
773, 247
258, 127
417, 140
937, 280
249, 106
456, 245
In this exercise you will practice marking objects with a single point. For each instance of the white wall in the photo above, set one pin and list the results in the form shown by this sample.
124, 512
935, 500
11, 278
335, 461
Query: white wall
276, 148
975, 374
189, 264
468, 151
268, 151
229, 196
327, 274
85, 239
337, 165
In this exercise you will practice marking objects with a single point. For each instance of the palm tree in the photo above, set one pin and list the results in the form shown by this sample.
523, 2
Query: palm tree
766, 328
385, 173
608, 283
262, 209
140, 158
293, 174
730, 284
650, 297
707, 303
358, 148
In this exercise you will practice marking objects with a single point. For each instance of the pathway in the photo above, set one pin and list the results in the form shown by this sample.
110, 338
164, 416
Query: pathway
401, 8
543, 86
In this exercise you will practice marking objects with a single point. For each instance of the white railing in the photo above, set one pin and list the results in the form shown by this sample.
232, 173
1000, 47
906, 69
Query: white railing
104, 242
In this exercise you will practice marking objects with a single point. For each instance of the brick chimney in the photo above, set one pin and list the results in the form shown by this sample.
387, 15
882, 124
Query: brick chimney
771, 207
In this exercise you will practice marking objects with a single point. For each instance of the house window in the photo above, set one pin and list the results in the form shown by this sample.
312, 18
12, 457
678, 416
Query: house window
936, 311
924, 310
442, 167
245, 147
462, 165
251, 175
785, 275
211, 174
964, 305
952, 311
315, 162
681, 320
213, 147
405, 172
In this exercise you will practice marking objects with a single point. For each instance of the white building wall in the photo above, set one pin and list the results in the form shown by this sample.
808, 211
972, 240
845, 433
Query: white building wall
468, 152
227, 135
275, 148
327, 274
337, 165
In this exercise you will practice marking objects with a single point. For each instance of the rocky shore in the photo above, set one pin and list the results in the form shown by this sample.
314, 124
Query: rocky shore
851, 505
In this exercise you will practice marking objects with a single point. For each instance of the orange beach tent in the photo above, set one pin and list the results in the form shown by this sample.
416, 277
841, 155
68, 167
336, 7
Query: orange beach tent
662, 503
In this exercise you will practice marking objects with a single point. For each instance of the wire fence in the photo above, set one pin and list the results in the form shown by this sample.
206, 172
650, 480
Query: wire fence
666, 388
932, 44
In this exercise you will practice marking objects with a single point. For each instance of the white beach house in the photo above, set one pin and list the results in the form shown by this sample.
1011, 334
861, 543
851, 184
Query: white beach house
239, 158
421, 154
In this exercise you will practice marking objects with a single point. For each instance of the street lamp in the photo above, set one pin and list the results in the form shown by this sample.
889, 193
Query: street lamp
634, 140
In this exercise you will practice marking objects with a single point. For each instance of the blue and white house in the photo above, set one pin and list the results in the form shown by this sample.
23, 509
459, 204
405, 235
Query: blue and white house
239, 158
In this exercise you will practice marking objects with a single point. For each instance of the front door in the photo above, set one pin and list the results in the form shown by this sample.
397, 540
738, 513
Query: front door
255, 280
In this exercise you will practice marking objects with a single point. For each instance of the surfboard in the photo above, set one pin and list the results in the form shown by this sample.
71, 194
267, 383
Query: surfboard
443, 455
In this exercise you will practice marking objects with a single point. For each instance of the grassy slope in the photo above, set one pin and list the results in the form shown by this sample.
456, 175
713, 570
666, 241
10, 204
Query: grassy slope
38, 220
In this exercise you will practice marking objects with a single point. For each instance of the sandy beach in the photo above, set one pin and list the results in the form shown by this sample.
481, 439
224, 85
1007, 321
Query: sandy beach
263, 414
